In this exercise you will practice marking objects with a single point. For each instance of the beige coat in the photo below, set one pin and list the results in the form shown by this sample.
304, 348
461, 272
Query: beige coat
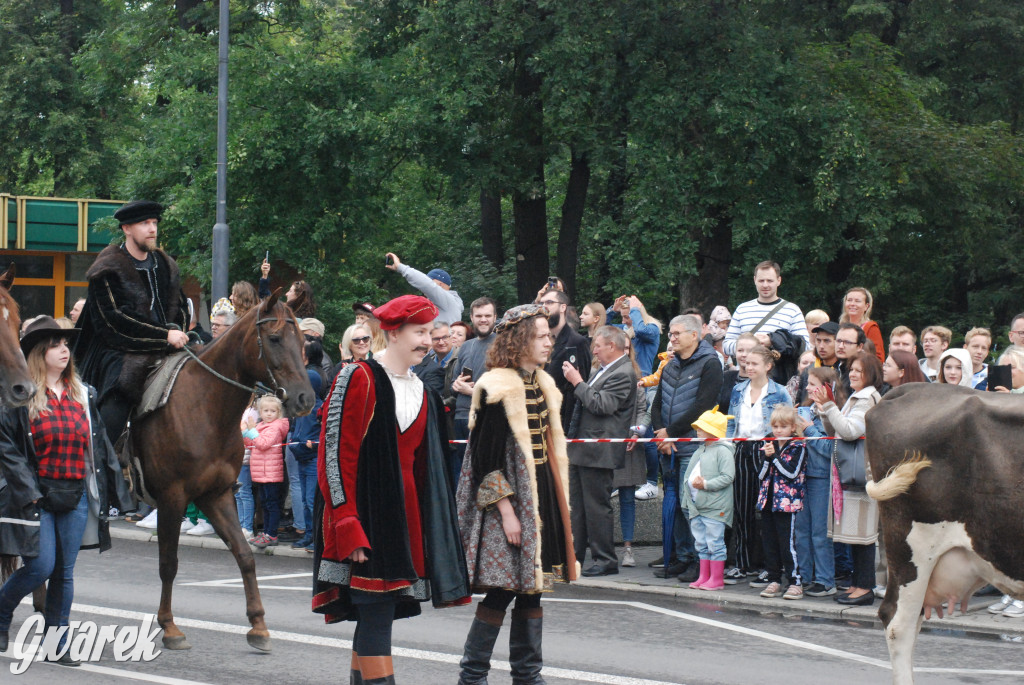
858, 524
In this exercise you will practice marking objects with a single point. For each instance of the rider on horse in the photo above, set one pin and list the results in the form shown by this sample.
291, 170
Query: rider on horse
134, 315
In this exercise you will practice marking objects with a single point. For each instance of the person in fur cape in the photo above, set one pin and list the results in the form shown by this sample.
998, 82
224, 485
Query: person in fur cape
513, 497
134, 314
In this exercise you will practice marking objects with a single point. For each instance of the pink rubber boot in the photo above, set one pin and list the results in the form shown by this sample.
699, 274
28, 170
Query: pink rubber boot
717, 579
705, 574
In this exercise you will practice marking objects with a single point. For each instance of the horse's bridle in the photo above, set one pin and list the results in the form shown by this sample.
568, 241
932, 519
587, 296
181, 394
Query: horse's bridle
259, 389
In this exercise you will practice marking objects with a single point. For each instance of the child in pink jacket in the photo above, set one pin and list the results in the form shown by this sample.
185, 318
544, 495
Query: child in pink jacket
266, 464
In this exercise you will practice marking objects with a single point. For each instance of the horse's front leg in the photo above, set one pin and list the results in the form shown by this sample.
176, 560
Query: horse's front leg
169, 512
223, 515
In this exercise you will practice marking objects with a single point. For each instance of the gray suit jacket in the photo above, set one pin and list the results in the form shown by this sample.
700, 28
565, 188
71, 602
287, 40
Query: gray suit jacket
605, 408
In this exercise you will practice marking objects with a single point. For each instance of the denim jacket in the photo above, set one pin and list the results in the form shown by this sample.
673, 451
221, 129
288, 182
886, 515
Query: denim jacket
819, 452
774, 394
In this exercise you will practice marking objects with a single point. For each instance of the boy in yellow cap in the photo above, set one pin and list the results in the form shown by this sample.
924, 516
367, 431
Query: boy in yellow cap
707, 497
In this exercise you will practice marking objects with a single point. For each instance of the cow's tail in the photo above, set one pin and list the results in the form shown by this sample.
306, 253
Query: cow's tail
899, 478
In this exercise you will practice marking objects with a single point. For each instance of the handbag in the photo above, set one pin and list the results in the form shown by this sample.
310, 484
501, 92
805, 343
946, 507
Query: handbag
60, 495
850, 459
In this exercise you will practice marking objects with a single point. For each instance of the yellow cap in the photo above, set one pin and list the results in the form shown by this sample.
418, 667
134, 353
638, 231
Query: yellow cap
713, 422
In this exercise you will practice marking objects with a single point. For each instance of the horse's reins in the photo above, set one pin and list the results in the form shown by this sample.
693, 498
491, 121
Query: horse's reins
259, 388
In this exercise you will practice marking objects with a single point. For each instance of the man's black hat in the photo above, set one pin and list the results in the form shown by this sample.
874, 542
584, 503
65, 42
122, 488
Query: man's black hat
138, 210
829, 328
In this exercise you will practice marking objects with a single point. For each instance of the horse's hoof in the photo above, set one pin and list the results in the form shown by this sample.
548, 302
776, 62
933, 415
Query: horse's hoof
259, 640
176, 642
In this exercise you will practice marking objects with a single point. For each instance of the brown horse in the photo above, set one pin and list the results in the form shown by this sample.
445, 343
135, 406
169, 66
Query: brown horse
16, 386
191, 449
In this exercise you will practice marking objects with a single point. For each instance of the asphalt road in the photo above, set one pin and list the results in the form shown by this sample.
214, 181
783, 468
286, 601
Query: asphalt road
591, 636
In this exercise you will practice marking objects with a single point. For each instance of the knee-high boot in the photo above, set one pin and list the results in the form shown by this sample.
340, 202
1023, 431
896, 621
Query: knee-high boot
476, 657
524, 646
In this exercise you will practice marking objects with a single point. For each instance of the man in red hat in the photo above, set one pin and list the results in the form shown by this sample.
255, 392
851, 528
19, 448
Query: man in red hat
387, 534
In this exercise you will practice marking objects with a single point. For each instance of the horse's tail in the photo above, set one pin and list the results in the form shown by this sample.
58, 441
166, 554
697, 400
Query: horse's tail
8, 565
899, 478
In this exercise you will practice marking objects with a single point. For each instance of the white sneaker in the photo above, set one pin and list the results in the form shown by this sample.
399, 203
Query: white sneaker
1001, 605
1015, 610
646, 491
201, 528
628, 560
149, 521
247, 533
186, 525
879, 591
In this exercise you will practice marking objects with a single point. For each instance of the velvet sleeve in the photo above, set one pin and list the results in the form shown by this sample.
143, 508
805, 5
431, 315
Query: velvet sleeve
487, 441
351, 409
120, 327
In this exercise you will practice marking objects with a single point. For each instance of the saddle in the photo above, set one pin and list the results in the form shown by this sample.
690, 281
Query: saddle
155, 393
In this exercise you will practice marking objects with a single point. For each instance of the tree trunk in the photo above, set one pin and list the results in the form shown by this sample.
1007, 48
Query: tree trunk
709, 287
529, 203
491, 236
572, 220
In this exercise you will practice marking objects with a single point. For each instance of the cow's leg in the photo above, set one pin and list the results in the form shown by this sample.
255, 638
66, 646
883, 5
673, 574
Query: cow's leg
223, 515
169, 512
901, 614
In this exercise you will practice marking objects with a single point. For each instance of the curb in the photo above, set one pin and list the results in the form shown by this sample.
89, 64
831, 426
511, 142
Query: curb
977, 620
136, 534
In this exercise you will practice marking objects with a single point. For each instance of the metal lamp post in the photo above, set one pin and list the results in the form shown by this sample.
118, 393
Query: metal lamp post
220, 229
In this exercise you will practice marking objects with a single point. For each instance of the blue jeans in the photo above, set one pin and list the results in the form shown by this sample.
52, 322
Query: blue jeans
813, 548
270, 494
243, 498
676, 540
651, 457
709, 537
295, 487
60, 536
307, 479
627, 511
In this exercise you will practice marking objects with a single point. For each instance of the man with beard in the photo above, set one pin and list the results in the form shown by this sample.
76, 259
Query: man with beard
135, 313
387, 534
569, 347
467, 370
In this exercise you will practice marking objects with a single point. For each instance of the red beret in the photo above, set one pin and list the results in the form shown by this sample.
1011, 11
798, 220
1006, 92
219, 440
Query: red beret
414, 309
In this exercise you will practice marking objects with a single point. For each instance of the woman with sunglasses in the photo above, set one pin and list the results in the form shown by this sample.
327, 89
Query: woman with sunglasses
355, 346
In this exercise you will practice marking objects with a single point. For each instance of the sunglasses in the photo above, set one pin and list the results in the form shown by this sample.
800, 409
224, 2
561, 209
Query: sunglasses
361, 341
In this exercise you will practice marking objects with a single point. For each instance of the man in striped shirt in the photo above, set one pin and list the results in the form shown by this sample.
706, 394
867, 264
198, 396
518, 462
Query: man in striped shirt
767, 278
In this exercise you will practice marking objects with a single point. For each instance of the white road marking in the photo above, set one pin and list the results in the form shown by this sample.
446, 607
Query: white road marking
115, 673
580, 676
423, 655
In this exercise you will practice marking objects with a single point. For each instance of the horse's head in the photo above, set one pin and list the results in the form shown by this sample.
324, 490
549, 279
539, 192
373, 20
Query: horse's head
16, 386
274, 355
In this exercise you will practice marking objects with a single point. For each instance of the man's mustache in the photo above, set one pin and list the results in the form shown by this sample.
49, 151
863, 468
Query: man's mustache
422, 348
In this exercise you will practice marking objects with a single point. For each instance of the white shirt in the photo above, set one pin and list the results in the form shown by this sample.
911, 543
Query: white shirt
751, 420
408, 396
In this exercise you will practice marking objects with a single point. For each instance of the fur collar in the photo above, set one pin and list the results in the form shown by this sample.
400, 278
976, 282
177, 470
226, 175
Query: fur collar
115, 261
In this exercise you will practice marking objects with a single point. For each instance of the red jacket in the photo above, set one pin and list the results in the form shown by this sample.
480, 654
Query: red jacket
266, 459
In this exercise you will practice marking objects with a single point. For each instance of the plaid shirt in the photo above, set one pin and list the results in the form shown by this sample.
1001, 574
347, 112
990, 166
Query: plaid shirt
61, 437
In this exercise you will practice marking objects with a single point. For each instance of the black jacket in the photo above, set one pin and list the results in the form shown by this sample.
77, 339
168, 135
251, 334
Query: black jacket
570, 347
19, 485
125, 321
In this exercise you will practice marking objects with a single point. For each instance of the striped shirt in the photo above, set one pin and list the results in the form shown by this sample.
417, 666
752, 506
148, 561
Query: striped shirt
536, 416
748, 314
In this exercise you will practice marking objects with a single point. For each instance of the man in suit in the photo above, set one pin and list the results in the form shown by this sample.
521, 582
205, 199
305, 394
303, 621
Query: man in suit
605, 408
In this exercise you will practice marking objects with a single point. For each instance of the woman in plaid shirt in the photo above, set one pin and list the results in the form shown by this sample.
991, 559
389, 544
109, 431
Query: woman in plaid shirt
57, 463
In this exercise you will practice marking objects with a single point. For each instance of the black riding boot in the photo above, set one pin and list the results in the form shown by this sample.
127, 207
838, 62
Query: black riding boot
476, 657
524, 646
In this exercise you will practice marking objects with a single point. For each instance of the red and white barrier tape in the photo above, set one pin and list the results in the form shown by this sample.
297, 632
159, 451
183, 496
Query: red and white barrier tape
635, 440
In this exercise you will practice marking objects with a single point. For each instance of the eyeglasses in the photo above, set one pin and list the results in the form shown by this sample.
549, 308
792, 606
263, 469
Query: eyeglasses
218, 325
361, 341
437, 340
550, 303
840, 341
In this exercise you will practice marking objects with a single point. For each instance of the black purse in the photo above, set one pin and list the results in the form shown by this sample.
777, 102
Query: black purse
60, 495
850, 459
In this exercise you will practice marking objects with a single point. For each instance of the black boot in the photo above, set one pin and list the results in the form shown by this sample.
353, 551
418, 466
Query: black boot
476, 657
524, 646
3, 640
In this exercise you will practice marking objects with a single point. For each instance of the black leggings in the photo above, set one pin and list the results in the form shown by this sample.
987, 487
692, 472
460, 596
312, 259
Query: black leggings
499, 599
373, 629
